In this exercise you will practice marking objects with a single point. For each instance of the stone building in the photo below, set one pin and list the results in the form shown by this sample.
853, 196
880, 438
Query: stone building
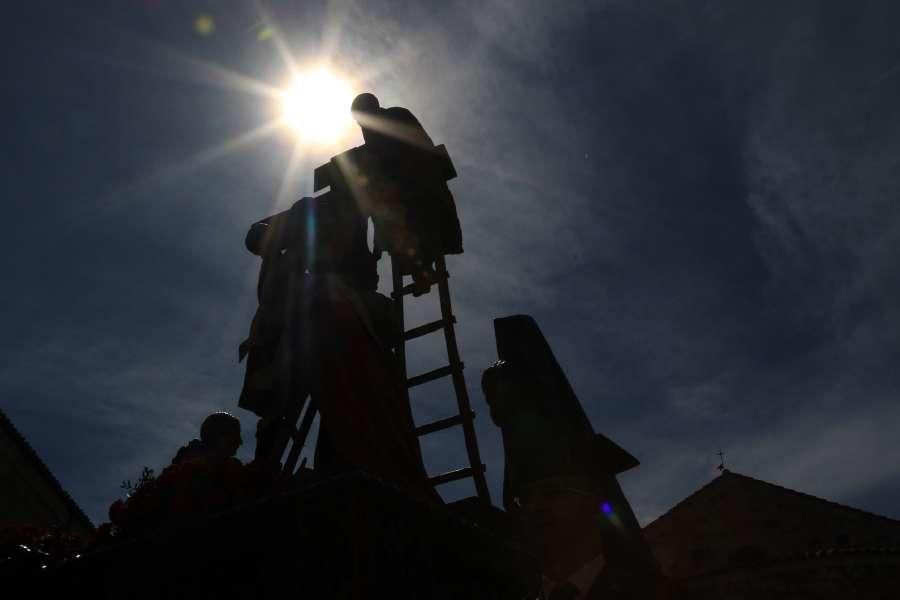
29, 493
739, 537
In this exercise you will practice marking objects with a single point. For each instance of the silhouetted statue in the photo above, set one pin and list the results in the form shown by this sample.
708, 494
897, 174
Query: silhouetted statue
220, 438
404, 188
322, 329
303, 249
560, 476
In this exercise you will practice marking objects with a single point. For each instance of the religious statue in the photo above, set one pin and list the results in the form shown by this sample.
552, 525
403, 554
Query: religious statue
560, 476
321, 329
316, 245
220, 438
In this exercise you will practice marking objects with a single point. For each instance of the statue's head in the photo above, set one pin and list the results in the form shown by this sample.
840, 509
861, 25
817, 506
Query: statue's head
222, 432
364, 105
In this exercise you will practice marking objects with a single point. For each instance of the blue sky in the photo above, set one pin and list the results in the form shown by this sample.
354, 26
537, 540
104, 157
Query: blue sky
698, 202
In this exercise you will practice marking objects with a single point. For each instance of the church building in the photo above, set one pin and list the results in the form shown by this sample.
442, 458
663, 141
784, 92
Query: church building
29, 493
739, 537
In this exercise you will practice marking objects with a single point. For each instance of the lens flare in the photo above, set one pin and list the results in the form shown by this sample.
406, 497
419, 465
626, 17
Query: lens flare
317, 106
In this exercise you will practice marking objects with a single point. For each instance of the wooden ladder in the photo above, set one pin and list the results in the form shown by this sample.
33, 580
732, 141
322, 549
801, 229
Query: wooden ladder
298, 434
465, 416
331, 174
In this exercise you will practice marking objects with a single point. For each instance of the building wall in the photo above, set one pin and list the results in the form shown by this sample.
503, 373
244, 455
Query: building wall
838, 575
28, 496
737, 521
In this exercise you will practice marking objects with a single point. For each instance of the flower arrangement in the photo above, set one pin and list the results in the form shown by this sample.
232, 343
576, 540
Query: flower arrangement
24, 547
190, 490
180, 494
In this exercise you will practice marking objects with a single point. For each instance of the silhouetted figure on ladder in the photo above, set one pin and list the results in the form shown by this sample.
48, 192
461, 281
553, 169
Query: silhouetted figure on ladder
404, 189
321, 328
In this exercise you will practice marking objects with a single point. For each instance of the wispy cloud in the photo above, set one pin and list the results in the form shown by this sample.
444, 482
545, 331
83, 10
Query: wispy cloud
697, 205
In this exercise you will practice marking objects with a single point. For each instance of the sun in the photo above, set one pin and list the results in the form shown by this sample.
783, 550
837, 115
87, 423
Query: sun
316, 105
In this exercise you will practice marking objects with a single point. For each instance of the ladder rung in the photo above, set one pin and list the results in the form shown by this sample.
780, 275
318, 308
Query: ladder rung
410, 288
454, 475
427, 328
432, 375
444, 423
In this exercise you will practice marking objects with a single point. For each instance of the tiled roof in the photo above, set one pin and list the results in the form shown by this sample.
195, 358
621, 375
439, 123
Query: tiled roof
758, 482
75, 511
804, 557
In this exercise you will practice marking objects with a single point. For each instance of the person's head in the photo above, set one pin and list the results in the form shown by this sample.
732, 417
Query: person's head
505, 384
364, 105
222, 432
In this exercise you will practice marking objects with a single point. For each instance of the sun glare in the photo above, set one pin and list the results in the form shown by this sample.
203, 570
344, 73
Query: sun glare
317, 106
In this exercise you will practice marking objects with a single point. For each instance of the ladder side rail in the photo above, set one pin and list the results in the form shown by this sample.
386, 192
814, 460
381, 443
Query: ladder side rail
287, 429
400, 348
459, 383
300, 436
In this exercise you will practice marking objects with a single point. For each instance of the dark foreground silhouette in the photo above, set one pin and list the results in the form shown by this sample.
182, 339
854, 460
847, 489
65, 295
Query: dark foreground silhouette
366, 521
